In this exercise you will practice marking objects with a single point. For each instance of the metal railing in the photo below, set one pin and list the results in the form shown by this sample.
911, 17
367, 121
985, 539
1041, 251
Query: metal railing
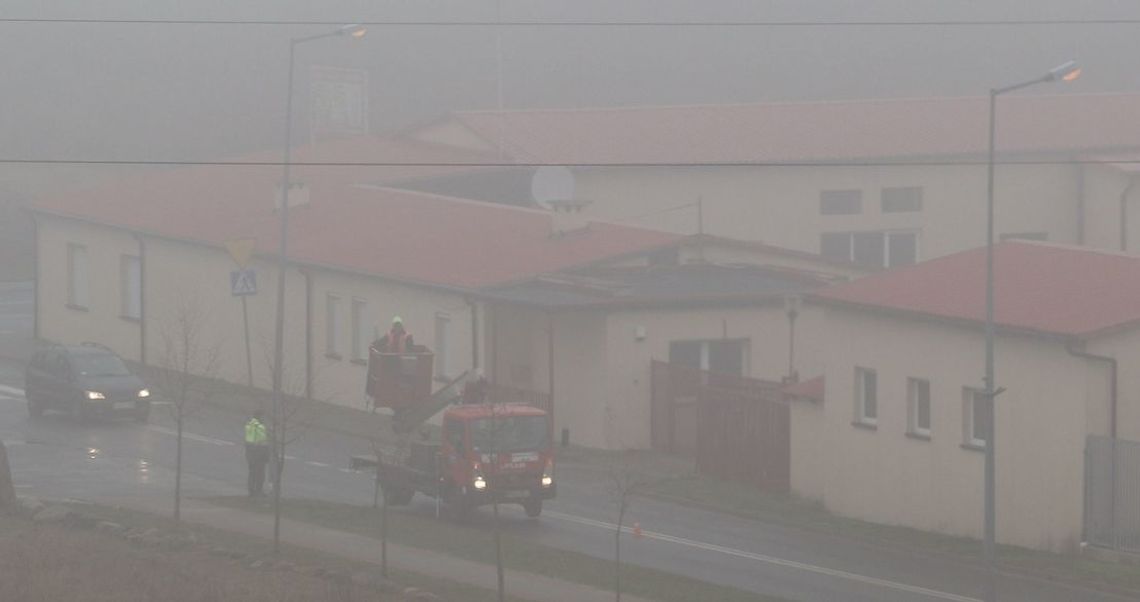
1112, 493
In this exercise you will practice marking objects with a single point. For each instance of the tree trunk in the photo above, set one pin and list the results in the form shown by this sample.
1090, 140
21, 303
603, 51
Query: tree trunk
178, 471
7, 491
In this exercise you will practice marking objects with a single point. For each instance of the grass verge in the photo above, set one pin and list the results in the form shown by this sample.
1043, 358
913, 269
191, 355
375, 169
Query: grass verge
253, 547
519, 554
748, 502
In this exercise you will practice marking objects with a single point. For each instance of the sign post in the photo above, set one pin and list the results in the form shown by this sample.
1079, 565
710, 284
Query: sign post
243, 283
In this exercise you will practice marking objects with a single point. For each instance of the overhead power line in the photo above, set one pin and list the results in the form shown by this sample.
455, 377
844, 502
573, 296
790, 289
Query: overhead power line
590, 23
614, 164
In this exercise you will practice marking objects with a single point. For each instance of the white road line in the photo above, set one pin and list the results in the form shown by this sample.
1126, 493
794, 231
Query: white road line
319, 464
185, 435
819, 570
6, 390
347, 470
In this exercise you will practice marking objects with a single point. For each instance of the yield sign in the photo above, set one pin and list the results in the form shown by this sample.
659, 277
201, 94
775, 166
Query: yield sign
243, 282
241, 250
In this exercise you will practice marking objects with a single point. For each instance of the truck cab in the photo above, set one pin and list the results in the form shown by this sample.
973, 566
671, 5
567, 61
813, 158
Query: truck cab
499, 452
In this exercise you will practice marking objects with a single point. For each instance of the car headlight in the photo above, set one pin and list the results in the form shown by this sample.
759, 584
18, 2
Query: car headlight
479, 483
144, 393
93, 395
547, 481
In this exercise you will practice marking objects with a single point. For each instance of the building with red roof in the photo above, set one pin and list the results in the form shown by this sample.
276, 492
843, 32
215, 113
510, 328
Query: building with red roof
884, 182
482, 284
898, 437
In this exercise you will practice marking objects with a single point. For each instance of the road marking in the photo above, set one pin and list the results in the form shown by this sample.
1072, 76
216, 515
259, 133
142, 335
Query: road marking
346, 470
185, 435
162, 403
819, 570
6, 390
320, 464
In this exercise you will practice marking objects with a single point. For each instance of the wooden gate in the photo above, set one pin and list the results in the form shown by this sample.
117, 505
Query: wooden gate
735, 427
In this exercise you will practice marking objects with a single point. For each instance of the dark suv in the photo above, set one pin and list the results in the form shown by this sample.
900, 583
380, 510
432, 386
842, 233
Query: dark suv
84, 380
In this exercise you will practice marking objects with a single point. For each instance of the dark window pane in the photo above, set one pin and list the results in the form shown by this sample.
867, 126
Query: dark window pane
979, 417
922, 404
870, 394
685, 353
907, 198
904, 249
835, 246
868, 248
841, 202
726, 357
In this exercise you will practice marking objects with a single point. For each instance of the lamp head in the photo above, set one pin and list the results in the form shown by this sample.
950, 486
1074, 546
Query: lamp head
1066, 72
355, 30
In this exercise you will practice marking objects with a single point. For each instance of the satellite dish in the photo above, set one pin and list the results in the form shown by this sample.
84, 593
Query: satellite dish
551, 184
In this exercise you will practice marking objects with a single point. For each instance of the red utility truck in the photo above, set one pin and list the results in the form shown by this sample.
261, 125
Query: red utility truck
484, 452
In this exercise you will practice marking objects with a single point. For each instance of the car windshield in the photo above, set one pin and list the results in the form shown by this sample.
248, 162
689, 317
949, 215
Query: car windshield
99, 364
509, 434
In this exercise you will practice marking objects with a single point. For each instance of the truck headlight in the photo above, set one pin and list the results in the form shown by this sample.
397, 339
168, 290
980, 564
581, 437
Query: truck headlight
479, 483
93, 395
547, 480
144, 393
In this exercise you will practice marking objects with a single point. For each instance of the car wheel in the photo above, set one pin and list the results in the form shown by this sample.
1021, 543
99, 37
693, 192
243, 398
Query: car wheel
533, 508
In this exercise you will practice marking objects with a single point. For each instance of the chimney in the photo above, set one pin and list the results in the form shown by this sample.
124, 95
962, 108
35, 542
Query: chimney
298, 195
567, 216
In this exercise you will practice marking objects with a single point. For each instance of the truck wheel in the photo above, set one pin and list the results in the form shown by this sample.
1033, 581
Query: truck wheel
397, 496
533, 508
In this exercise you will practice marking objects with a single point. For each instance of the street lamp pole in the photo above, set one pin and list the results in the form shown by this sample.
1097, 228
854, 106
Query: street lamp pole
355, 31
1066, 72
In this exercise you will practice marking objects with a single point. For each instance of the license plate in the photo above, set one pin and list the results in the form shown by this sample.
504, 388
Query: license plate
123, 405
514, 495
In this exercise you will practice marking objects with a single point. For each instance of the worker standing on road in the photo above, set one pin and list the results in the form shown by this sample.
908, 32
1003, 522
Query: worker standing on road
256, 453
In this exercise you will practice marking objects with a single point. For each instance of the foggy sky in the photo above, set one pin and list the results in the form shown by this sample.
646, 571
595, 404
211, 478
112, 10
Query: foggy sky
171, 92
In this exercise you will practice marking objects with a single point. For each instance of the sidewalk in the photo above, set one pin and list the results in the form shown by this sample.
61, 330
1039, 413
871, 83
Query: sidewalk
363, 549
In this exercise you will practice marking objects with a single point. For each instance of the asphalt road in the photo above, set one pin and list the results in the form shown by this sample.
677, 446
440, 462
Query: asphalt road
58, 457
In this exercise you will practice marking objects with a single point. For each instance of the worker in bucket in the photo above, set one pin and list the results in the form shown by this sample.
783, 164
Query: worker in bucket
397, 339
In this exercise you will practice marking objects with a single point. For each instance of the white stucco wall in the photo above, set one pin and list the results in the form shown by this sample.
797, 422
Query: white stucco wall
884, 476
780, 206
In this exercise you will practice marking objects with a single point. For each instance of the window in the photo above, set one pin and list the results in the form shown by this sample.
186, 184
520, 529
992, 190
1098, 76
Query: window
78, 286
866, 397
918, 406
841, 202
902, 199
360, 329
442, 341
130, 273
722, 356
453, 432
974, 417
332, 325
876, 248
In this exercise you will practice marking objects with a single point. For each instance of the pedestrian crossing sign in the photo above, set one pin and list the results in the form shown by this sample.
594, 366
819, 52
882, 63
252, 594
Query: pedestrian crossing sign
243, 282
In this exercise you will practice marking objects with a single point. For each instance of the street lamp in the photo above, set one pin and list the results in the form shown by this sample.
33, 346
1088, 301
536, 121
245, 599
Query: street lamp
353, 31
1066, 72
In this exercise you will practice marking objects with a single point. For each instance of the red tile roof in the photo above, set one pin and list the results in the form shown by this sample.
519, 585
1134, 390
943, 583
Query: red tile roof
811, 131
1046, 288
387, 232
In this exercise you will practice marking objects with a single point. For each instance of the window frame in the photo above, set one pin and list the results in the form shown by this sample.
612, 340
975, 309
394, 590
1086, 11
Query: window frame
834, 196
883, 201
78, 284
913, 387
970, 398
861, 416
333, 319
358, 318
885, 237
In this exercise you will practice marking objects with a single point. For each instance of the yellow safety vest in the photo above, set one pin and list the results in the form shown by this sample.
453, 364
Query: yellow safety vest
255, 432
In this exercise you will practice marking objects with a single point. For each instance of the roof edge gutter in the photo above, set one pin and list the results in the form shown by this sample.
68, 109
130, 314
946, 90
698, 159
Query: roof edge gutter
1071, 347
